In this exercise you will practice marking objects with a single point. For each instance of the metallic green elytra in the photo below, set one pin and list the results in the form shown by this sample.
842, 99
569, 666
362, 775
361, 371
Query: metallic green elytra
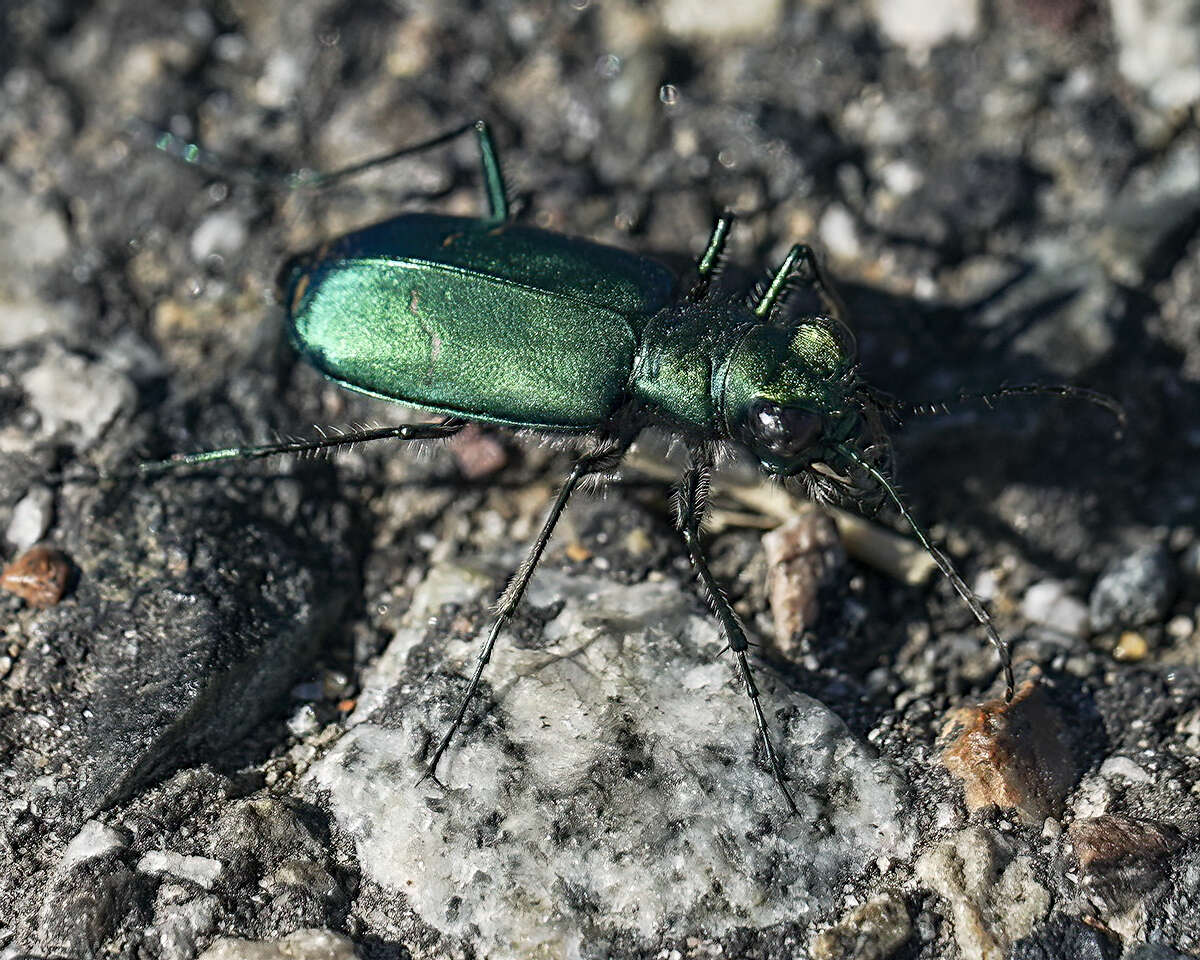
486, 319
497, 322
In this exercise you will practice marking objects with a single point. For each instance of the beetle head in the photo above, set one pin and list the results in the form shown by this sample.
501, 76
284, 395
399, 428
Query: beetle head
788, 394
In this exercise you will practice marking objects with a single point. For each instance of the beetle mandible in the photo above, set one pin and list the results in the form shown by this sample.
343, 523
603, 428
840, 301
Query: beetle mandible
486, 319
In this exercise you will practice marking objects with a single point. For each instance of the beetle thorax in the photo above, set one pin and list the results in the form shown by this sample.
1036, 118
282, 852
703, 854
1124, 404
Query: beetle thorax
684, 349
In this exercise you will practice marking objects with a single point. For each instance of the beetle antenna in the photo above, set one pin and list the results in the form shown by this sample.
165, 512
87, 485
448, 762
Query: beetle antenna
897, 409
195, 155
943, 562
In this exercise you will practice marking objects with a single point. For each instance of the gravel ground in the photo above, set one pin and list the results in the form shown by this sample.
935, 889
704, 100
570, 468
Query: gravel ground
210, 741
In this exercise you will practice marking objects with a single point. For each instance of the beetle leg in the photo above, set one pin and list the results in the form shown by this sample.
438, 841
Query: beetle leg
407, 431
692, 505
195, 155
800, 263
606, 457
710, 261
493, 176
764, 302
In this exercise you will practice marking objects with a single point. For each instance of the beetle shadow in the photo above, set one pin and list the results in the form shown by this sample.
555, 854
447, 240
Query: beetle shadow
921, 352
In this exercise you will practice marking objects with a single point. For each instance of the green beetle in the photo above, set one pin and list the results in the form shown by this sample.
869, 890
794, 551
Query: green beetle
486, 319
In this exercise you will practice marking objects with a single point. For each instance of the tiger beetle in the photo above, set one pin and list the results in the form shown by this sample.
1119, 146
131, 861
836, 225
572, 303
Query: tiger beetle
487, 319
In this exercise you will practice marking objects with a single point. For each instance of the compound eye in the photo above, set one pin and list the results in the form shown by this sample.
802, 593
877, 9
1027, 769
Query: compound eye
783, 431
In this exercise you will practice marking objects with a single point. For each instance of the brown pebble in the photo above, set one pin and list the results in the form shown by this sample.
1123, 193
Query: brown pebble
1131, 647
577, 552
38, 576
1015, 756
873, 931
1114, 841
478, 454
803, 556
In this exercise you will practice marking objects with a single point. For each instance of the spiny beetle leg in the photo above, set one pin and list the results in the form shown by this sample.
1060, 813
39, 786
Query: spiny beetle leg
692, 504
153, 468
778, 285
493, 178
407, 431
605, 457
709, 264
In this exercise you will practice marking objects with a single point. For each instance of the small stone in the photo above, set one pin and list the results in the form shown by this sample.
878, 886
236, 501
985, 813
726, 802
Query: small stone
67, 389
1180, 627
804, 556
93, 840
701, 20
334, 684
33, 235
220, 234
873, 931
1131, 647
1134, 590
1110, 841
303, 944
1015, 756
38, 576
30, 518
839, 233
1159, 49
180, 924
304, 721
921, 25
902, 177
1126, 769
281, 77
1092, 797
1188, 726
478, 454
577, 552
993, 901
202, 871
1048, 604
638, 543
27, 319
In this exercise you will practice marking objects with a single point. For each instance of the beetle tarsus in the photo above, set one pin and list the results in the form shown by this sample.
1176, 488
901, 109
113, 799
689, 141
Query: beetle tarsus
772, 755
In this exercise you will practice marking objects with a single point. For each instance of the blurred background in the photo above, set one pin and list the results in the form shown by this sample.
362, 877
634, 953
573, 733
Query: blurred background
1007, 191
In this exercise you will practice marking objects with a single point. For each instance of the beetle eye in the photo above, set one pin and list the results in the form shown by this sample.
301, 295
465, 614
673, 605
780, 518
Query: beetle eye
783, 431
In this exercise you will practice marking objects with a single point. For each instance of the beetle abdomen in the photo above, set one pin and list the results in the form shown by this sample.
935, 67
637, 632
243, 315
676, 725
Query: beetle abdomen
443, 338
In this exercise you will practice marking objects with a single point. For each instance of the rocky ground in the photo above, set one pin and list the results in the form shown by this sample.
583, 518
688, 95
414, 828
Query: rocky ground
210, 743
